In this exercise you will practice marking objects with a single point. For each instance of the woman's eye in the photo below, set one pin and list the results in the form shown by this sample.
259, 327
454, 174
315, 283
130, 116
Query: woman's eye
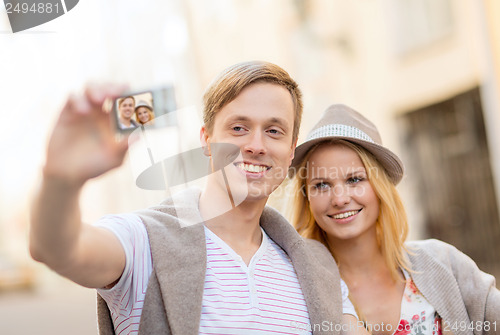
354, 180
237, 128
321, 186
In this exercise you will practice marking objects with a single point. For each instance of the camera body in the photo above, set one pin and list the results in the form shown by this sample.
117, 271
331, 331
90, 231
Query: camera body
147, 109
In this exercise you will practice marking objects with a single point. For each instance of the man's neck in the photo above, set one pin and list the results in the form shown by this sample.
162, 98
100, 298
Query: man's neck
239, 226
125, 122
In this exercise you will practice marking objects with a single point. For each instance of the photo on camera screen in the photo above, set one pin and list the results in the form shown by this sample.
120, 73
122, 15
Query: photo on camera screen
147, 109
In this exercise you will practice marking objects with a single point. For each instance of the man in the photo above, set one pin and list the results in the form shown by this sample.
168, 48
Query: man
241, 269
126, 109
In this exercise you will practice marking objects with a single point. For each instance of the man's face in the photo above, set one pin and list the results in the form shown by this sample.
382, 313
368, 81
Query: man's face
127, 109
260, 122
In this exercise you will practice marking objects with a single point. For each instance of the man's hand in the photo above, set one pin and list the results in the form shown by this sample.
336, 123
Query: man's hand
83, 144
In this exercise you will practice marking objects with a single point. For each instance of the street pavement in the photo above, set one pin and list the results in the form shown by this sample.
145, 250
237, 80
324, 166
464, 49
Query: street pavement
54, 307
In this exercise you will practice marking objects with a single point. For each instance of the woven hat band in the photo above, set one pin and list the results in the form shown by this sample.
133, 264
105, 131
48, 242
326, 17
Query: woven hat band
339, 130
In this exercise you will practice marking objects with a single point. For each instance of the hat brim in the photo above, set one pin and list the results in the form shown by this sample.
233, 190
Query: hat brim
148, 107
389, 161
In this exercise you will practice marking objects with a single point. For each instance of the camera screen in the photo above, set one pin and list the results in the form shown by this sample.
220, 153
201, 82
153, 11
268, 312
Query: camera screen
147, 109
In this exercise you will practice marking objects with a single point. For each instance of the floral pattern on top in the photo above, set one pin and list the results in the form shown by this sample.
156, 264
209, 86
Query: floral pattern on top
418, 317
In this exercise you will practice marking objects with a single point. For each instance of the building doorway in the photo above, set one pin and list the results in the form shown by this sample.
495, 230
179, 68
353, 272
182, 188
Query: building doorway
448, 155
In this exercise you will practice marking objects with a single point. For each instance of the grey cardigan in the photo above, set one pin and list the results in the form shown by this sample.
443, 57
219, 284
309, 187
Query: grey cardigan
455, 287
175, 290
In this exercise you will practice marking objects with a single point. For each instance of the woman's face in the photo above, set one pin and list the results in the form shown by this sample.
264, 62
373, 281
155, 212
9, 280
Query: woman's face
142, 114
342, 199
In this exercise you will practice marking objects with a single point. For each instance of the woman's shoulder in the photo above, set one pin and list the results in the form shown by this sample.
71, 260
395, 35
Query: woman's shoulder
433, 251
429, 245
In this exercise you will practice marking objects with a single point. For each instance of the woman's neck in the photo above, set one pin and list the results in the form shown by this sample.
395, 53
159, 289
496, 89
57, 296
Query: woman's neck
359, 256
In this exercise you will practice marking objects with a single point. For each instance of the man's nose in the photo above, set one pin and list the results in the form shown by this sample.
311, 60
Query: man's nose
255, 144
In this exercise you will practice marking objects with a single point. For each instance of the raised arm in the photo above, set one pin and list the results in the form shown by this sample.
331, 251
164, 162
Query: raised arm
82, 146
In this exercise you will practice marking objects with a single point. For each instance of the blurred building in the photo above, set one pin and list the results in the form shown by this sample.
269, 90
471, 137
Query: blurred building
425, 71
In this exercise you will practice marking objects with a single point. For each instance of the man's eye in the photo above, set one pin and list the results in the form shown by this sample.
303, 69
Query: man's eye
274, 131
237, 128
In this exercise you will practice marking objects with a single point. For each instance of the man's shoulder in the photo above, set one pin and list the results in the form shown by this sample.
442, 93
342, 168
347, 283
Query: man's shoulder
278, 228
285, 235
316, 245
181, 209
320, 251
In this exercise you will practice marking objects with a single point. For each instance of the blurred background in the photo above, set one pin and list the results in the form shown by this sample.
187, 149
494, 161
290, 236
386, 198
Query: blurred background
425, 71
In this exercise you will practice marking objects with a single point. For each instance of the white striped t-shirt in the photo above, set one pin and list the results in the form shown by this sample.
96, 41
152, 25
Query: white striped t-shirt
126, 298
263, 297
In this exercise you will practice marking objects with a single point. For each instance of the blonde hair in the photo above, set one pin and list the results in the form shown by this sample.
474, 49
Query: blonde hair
226, 87
392, 222
121, 100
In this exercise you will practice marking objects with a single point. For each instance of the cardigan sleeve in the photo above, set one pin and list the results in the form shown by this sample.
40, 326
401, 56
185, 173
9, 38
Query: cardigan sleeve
492, 313
479, 293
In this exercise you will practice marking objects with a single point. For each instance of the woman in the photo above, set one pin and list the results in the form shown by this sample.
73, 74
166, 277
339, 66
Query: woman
346, 198
144, 113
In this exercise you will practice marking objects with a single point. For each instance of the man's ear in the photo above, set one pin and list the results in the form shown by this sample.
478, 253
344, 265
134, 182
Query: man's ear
205, 140
292, 155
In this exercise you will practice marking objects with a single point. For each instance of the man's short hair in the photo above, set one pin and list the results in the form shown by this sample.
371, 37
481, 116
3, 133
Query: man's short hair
229, 84
121, 100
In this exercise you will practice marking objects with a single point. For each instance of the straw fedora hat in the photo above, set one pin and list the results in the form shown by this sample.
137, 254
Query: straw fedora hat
344, 123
